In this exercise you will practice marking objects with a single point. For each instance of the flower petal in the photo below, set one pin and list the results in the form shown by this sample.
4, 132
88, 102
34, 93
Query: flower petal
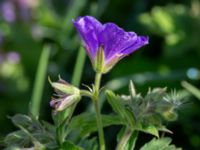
66, 102
131, 43
141, 41
110, 38
114, 40
89, 27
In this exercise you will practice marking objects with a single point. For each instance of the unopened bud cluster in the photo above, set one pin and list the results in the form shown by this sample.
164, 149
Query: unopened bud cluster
65, 95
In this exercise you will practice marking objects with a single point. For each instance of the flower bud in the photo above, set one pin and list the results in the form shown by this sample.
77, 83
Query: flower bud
63, 103
64, 87
170, 115
66, 95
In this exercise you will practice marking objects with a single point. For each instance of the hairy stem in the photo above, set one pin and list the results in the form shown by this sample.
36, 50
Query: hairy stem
98, 114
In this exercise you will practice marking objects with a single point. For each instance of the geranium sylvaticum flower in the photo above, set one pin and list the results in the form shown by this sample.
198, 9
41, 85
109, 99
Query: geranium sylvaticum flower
65, 95
107, 43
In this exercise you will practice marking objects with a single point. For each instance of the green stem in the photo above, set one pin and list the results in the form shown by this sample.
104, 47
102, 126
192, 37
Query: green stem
39, 82
97, 109
76, 77
122, 143
97, 83
86, 93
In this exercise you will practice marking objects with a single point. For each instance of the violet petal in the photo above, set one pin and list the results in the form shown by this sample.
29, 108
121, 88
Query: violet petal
89, 27
141, 41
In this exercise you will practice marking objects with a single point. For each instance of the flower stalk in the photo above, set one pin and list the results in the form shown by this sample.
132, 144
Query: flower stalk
98, 113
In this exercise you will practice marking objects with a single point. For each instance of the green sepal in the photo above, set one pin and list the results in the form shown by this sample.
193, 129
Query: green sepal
99, 60
65, 88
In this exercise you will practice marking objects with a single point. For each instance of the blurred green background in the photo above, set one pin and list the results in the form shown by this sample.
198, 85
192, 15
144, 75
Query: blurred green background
172, 56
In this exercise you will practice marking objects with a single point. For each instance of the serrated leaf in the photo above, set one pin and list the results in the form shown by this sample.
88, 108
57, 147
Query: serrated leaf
18, 138
31, 132
120, 109
86, 122
115, 103
159, 144
69, 146
21, 120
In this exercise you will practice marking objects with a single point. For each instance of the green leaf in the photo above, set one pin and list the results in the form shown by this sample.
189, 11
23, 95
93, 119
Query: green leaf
164, 129
31, 132
116, 104
69, 146
49, 127
86, 122
150, 129
118, 107
21, 120
18, 138
89, 144
159, 144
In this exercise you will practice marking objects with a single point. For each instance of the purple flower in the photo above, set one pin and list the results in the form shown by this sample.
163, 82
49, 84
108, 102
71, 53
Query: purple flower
8, 11
113, 40
13, 57
12, 10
